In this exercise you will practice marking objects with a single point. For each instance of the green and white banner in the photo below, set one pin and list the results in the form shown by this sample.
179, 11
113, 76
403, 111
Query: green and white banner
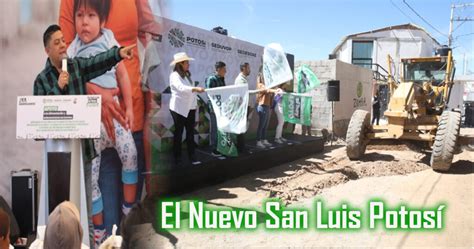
276, 69
297, 108
227, 144
230, 106
306, 80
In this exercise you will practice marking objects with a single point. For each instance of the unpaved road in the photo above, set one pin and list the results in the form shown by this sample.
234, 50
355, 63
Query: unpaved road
397, 173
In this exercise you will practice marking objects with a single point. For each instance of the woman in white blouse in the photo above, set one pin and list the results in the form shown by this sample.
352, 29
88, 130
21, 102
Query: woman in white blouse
183, 105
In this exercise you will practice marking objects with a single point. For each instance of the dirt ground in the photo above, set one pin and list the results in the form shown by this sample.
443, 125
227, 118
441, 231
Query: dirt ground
398, 173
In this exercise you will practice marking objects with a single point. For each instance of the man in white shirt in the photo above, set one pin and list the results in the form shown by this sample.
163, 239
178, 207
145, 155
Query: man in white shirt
244, 73
240, 80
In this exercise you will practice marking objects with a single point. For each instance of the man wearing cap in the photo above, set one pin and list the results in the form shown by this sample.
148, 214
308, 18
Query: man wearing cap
183, 104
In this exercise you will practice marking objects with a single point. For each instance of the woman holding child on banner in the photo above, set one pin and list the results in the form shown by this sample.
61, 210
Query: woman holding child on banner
183, 104
126, 31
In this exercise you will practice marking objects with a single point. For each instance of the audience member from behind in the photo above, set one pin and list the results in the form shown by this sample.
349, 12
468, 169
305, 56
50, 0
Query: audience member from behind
64, 228
4, 230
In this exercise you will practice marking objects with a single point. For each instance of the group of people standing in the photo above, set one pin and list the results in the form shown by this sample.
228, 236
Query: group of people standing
183, 106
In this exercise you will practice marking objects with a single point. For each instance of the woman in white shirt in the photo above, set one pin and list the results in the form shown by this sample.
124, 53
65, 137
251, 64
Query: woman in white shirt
183, 105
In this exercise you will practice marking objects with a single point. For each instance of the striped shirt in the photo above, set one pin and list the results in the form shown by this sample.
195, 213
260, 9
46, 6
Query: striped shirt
81, 71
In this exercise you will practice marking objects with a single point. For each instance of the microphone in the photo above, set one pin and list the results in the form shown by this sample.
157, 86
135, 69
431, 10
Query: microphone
64, 64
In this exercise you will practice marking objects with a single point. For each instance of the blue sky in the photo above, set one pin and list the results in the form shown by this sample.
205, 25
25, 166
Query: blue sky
310, 29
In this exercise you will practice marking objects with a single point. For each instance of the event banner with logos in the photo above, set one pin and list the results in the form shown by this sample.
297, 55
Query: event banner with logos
58, 117
206, 47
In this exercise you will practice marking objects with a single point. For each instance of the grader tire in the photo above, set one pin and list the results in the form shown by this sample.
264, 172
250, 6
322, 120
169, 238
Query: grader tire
444, 146
356, 137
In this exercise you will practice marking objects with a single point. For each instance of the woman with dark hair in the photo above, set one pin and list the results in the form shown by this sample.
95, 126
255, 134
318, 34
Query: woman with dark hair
183, 104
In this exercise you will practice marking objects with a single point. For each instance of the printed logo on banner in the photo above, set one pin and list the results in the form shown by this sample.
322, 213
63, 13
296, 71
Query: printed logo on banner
246, 53
359, 89
359, 101
24, 101
195, 41
220, 47
92, 101
176, 37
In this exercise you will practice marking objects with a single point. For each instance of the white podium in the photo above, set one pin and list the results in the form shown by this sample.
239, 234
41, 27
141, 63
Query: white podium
62, 121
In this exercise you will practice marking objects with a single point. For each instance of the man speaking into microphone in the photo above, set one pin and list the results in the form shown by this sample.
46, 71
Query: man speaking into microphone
70, 79
68, 76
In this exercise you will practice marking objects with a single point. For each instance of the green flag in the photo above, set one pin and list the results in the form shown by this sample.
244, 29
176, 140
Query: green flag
306, 80
226, 143
297, 108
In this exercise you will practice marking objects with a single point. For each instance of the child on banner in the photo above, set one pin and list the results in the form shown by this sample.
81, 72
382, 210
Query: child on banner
91, 39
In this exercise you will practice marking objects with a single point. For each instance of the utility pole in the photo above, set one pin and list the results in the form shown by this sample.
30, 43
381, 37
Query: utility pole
450, 35
458, 19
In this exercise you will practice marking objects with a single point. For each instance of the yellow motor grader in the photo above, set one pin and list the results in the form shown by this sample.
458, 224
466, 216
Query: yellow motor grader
417, 110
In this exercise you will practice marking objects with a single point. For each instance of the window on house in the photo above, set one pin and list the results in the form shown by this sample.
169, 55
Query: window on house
362, 53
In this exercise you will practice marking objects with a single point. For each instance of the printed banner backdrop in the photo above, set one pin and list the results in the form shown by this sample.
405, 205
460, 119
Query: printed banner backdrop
276, 69
206, 47
297, 108
306, 80
230, 105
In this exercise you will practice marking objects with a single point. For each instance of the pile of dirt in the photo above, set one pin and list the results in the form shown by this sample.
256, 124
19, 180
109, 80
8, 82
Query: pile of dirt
397, 145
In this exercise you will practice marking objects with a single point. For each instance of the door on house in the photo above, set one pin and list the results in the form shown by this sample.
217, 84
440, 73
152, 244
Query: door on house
362, 53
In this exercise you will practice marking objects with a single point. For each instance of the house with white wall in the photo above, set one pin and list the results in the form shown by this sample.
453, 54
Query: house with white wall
370, 48
367, 52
